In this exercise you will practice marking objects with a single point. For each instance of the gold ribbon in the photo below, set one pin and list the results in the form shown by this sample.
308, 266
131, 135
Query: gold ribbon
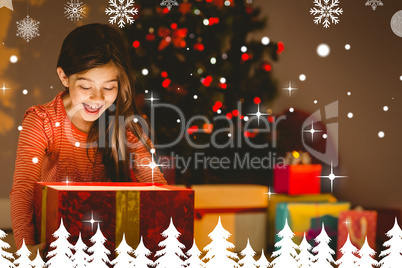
128, 217
43, 219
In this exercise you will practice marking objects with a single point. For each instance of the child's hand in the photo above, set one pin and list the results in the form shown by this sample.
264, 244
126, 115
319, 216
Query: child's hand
34, 249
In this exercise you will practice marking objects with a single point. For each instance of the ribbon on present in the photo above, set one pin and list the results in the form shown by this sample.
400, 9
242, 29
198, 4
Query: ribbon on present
128, 217
43, 216
354, 238
176, 37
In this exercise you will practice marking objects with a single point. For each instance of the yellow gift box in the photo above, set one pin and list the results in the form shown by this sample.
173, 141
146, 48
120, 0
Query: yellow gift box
241, 209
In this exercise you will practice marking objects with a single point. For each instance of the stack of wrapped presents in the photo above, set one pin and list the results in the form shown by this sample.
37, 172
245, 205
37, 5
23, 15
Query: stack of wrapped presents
299, 200
249, 212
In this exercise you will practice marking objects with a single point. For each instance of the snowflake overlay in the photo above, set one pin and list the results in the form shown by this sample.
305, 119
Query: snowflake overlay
74, 10
28, 28
121, 12
169, 3
326, 12
374, 3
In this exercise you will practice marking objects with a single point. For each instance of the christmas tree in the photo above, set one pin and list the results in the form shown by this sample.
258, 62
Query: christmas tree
80, 258
200, 57
99, 258
172, 253
38, 261
61, 255
304, 259
141, 254
5, 257
262, 261
194, 260
366, 256
248, 254
392, 256
23, 254
323, 257
348, 259
286, 255
218, 254
123, 259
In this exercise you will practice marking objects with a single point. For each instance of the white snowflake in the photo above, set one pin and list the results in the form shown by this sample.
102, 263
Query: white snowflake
326, 12
374, 3
121, 12
74, 10
27, 28
169, 3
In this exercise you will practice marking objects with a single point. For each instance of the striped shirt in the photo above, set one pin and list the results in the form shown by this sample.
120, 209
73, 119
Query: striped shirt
50, 148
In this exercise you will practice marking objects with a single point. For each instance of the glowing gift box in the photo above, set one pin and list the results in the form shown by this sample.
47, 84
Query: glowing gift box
135, 209
297, 179
241, 209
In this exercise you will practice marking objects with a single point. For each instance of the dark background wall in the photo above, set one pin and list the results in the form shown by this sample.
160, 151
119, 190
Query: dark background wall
370, 70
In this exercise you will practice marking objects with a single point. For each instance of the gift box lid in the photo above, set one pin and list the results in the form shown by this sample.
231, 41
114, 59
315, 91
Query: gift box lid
230, 196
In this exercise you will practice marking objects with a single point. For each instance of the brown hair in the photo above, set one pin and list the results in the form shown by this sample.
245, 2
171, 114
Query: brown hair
96, 45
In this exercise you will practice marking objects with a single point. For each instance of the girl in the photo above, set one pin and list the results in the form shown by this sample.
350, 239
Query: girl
87, 132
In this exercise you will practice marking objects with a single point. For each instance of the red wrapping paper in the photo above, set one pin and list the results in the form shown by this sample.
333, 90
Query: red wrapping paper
297, 179
358, 224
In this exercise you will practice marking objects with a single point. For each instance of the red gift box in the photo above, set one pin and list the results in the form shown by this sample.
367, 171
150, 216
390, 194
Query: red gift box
357, 224
297, 179
135, 209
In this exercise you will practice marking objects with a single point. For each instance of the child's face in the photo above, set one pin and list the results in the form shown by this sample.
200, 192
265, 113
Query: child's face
92, 91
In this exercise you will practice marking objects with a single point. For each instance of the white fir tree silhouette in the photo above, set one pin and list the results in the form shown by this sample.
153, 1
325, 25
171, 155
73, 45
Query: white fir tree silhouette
23, 254
5, 257
61, 255
305, 258
194, 260
141, 254
286, 254
262, 261
123, 259
172, 252
392, 255
323, 257
248, 254
218, 250
99, 257
38, 261
348, 259
366, 254
80, 258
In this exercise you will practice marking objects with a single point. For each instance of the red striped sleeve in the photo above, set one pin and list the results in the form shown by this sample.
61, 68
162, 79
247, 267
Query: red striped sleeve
32, 145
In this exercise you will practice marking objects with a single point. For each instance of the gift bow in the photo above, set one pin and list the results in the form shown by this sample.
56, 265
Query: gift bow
168, 36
